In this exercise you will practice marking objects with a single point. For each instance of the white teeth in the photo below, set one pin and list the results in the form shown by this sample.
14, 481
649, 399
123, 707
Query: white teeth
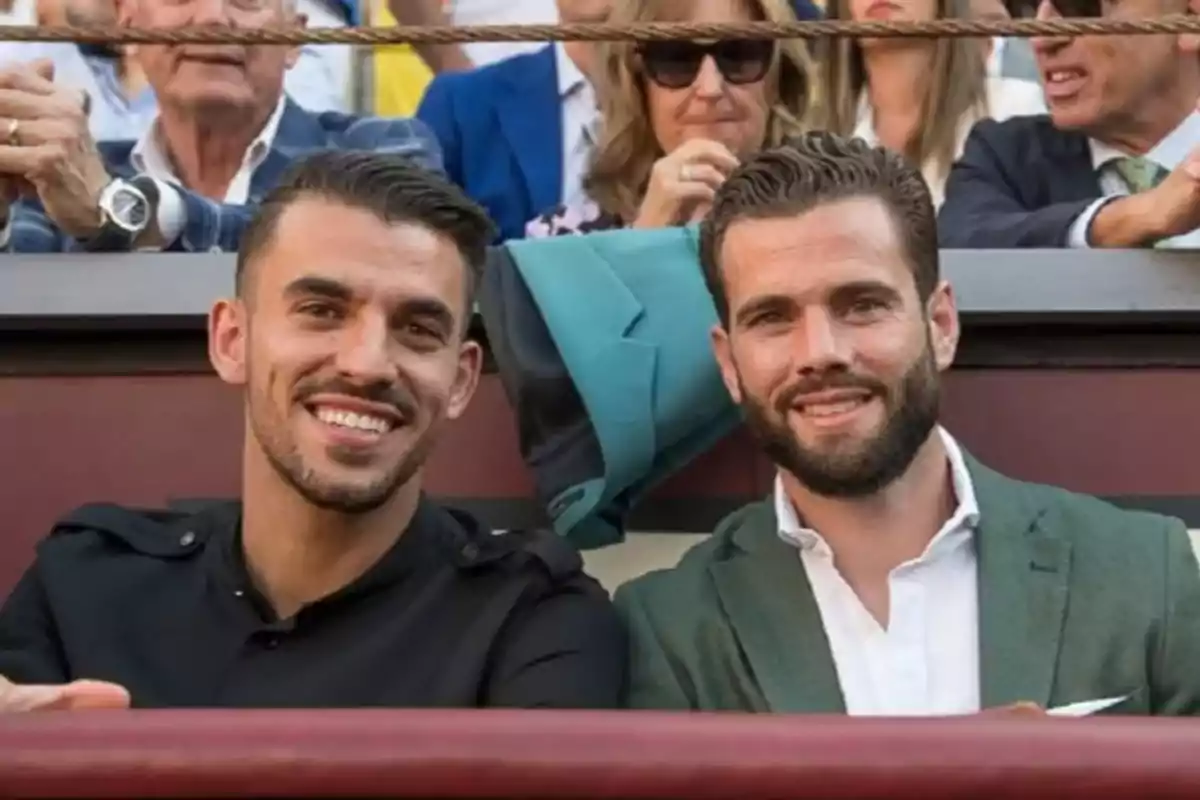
831, 409
349, 419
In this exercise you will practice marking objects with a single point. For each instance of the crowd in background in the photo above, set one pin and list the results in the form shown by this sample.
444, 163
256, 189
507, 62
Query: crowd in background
1024, 143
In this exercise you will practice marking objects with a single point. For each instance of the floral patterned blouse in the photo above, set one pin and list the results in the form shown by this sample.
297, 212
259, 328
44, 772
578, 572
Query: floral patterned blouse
571, 220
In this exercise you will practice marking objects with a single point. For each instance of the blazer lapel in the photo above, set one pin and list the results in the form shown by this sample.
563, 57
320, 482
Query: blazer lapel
1024, 569
531, 119
765, 594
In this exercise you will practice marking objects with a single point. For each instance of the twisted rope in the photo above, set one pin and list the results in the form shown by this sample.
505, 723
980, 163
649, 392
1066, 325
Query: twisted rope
642, 32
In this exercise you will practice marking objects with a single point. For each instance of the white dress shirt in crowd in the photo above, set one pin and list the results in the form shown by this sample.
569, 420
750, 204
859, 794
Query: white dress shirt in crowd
579, 117
501, 12
926, 661
148, 158
1169, 154
1005, 97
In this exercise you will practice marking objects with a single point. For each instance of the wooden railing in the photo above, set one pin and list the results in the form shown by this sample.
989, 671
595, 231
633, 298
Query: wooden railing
512, 754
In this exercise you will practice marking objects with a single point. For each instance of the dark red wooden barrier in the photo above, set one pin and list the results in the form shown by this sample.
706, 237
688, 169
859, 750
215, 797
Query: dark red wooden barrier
496, 754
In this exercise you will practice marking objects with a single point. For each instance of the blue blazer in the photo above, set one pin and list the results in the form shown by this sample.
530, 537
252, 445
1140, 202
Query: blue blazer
630, 315
500, 128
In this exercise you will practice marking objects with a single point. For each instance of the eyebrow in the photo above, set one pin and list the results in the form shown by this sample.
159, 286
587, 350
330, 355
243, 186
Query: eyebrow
322, 287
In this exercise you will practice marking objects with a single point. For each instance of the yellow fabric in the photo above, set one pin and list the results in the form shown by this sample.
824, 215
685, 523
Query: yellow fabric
400, 76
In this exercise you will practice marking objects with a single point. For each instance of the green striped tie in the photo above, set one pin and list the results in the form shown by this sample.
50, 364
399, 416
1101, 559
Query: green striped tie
1140, 174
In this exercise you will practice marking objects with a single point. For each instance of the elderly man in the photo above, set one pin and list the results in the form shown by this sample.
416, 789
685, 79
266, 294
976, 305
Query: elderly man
224, 133
1113, 165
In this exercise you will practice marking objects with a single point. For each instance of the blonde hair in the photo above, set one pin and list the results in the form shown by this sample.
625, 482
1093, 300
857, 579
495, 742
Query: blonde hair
627, 147
956, 88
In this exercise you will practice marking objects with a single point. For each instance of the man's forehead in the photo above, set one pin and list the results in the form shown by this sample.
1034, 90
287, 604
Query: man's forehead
366, 254
834, 243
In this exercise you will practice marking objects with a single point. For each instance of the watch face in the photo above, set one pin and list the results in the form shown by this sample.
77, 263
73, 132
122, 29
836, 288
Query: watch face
129, 209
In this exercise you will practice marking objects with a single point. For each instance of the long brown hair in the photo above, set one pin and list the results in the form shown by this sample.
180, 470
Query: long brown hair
956, 87
627, 147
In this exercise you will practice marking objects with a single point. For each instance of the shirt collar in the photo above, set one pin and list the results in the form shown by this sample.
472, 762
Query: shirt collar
570, 78
147, 157
1169, 153
965, 516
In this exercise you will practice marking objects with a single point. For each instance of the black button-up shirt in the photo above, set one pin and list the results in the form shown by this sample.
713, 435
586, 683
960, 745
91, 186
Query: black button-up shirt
451, 616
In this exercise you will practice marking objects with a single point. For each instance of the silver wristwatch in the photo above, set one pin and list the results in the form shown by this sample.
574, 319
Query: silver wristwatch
125, 210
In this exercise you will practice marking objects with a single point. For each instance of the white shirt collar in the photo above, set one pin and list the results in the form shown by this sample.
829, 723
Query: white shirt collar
965, 516
570, 78
1169, 153
149, 158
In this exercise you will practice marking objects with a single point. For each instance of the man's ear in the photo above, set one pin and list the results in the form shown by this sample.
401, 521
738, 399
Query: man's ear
297, 20
227, 336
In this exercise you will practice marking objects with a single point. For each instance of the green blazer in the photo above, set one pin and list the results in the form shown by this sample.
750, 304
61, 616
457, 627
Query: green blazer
1078, 600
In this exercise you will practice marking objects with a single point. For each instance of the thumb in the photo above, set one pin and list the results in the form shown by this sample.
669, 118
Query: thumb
84, 694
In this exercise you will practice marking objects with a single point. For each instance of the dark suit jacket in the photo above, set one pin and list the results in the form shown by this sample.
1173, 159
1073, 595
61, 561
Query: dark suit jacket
500, 128
1019, 183
1078, 600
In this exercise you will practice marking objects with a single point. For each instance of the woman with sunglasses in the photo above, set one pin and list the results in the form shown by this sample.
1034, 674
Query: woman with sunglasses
676, 116
918, 97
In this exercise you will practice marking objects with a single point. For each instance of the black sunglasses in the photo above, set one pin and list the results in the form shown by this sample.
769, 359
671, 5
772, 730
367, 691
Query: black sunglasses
675, 64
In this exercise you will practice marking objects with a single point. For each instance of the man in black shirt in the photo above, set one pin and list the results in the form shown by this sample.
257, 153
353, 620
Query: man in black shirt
335, 582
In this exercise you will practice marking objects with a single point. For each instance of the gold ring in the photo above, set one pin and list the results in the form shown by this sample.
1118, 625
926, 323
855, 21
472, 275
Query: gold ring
14, 128
685, 172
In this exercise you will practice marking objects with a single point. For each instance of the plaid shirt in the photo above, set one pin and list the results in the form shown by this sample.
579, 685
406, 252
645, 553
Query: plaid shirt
212, 226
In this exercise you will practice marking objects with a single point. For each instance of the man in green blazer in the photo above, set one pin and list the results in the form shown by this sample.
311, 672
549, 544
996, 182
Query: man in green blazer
890, 572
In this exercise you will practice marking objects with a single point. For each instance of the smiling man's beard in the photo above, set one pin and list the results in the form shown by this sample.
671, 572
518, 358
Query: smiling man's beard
275, 439
861, 467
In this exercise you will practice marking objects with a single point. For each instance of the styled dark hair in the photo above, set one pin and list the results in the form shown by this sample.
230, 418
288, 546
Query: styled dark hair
814, 169
391, 186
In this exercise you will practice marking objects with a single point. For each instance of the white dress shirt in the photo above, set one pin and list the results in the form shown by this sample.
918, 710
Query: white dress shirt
1005, 97
926, 661
579, 118
148, 158
1169, 153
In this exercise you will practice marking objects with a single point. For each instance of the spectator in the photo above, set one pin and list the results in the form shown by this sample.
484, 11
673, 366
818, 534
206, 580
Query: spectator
224, 133
889, 572
518, 134
1115, 164
121, 103
676, 116
918, 97
334, 581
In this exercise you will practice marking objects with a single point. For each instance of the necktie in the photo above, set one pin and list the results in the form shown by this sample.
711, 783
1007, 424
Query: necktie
1140, 174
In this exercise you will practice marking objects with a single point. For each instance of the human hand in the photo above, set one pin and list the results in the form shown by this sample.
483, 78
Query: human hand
684, 182
74, 696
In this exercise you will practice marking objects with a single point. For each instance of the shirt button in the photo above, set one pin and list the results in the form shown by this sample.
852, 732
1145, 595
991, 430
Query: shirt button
470, 551
187, 539
272, 642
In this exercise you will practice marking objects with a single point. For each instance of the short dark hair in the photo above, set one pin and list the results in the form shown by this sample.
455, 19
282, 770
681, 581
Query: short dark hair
391, 186
812, 170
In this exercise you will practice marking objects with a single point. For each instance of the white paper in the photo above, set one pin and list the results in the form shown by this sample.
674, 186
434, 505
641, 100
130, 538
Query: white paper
1087, 707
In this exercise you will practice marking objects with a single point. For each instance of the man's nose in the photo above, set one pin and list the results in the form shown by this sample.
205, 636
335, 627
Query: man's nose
1048, 44
365, 353
822, 344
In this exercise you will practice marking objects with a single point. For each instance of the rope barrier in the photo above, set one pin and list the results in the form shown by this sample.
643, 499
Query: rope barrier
642, 32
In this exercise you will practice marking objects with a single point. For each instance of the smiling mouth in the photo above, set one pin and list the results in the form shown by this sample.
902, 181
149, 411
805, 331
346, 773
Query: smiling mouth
362, 426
